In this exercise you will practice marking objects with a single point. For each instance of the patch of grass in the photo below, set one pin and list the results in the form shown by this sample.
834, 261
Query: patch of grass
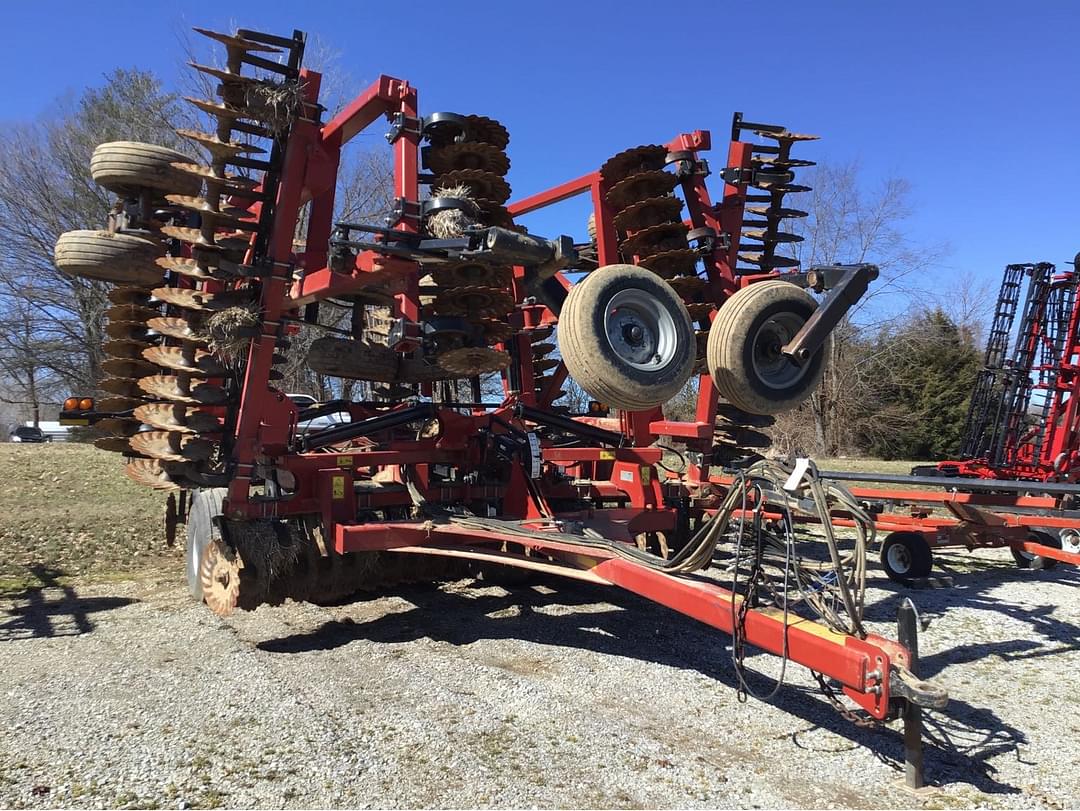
852, 465
67, 509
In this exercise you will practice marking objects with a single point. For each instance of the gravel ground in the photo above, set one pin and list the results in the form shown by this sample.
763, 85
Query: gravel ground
128, 694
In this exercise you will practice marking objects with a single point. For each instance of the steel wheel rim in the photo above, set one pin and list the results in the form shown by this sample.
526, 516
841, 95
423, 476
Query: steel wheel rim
640, 331
899, 558
774, 369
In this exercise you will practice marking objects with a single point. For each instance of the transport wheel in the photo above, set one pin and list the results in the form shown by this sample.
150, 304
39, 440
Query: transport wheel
744, 350
127, 167
1026, 560
107, 257
201, 530
906, 555
626, 337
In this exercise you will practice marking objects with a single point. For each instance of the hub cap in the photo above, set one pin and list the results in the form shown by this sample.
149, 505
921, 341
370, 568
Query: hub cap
771, 366
640, 331
899, 558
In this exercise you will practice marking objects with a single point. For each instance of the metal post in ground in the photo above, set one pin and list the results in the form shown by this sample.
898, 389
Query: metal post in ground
907, 624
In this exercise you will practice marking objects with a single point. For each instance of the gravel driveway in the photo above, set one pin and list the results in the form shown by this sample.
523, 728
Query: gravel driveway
467, 695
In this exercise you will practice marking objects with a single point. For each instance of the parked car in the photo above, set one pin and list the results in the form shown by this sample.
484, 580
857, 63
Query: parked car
28, 433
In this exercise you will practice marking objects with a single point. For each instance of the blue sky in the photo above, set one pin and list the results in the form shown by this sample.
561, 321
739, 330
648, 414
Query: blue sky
973, 103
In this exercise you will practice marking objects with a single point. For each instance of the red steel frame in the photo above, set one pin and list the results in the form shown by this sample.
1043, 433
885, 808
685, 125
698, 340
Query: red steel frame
623, 483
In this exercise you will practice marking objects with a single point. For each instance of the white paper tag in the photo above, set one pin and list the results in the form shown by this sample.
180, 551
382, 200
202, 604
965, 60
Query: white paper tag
802, 464
534, 456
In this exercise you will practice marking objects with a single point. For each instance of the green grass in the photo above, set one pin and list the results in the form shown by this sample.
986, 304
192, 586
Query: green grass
868, 465
67, 511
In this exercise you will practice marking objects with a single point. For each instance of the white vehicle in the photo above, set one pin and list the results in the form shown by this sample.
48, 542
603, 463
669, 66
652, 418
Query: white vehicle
305, 401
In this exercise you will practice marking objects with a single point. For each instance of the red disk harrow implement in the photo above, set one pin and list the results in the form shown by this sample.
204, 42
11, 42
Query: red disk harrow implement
429, 475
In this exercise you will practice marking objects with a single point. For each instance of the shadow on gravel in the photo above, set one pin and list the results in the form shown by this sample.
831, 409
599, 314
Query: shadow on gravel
960, 743
1048, 635
33, 615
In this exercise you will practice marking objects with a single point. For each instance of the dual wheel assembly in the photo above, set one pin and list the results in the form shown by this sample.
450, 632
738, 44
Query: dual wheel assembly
628, 340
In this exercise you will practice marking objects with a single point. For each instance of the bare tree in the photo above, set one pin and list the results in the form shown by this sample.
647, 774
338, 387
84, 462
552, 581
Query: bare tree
46, 189
850, 221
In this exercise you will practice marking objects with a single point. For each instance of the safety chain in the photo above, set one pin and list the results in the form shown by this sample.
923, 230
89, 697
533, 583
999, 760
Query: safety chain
864, 721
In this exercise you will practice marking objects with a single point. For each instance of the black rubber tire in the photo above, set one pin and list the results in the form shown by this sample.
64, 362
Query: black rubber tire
730, 351
201, 529
589, 356
128, 167
905, 556
107, 257
1025, 560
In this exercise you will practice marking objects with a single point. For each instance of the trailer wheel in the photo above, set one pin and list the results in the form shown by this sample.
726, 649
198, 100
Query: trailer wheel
745, 339
906, 555
1026, 560
108, 257
128, 167
201, 530
626, 337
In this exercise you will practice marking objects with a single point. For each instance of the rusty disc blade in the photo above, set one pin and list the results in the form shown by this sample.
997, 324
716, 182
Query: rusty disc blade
492, 213
196, 299
118, 426
766, 262
699, 310
127, 367
649, 212
219, 576
467, 272
178, 328
231, 241
541, 333
131, 312
232, 41
181, 360
639, 187
198, 268
668, 236
171, 446
481, 184
771, 235
128, 295
221, 182
113, 444
541, 365
223, 112
115, 405
467, 155
633, 161
203, 207
177, 417
150, 472
776, 212
541, 349
671, 263
784, 135
473, 301
121, 386
478, 128
125, 347
495, 331
224, 76
218, 148
470, 361
183, 389
135, 330
688, 286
